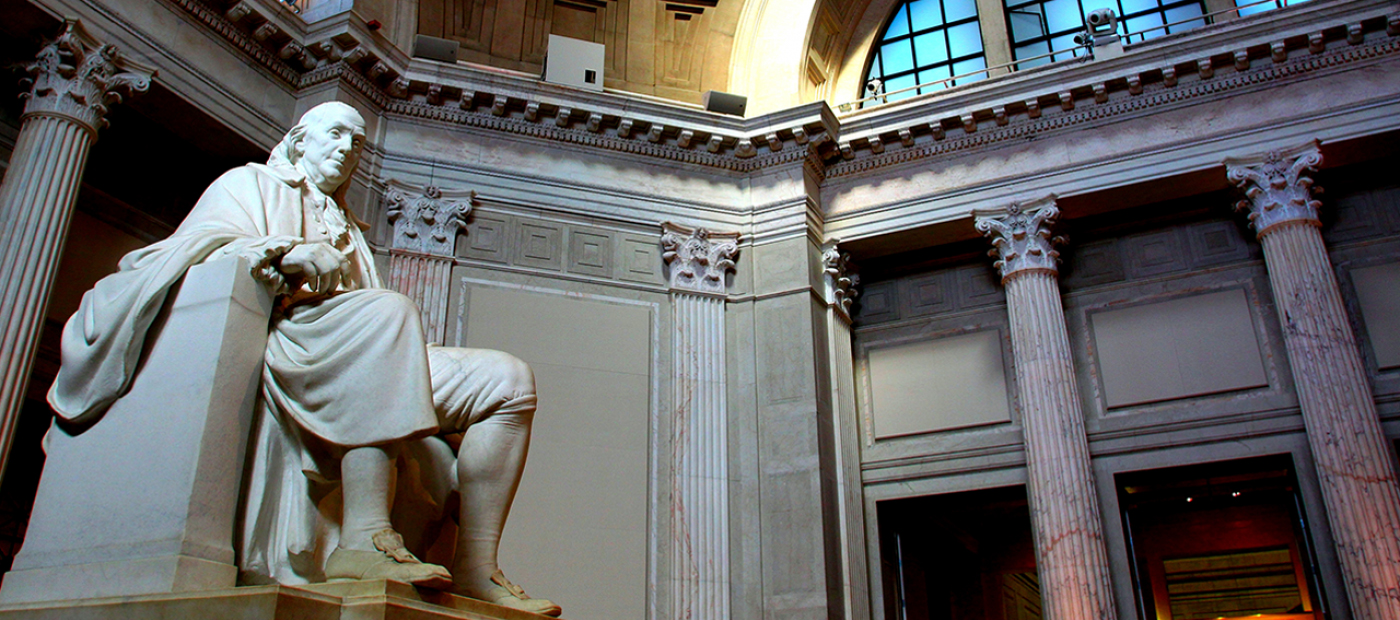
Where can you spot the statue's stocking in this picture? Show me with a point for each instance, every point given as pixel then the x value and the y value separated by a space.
pixel 367 476
pixel 489 465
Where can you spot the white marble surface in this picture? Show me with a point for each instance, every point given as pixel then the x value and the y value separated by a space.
pixel 144 502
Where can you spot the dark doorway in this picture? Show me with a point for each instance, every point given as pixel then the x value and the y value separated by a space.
pixel 1220 540
pixel 960 556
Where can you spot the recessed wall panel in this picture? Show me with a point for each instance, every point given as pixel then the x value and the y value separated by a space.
pixel 582 502
pixel 1378 293
pixel 940 384
pixel 1197 345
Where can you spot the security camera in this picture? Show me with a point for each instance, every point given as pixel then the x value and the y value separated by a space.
pixel 875 87
pixel 1102 21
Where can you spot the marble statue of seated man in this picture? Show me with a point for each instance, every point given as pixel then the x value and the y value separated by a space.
pixel 348 381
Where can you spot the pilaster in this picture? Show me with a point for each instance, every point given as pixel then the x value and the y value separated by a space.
pixel 1354 465
pixel 1069 546
pixel 72 81
pixel 426 221
pixel 843 487
pixel 698 261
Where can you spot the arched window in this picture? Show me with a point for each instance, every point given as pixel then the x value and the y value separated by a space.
pixel 926 41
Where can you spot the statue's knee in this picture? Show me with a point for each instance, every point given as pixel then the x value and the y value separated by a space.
pixel 516 376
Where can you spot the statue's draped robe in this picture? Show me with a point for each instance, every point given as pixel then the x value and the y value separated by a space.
pixel 343 371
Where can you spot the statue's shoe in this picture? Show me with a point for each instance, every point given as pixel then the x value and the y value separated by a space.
pixel 392 561
pixel 506 594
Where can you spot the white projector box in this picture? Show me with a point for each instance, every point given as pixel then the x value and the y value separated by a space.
pixel 574 63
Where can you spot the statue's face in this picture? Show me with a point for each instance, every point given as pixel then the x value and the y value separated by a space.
pixel 330 150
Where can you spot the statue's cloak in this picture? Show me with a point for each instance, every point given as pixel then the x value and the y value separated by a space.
pixel 361 350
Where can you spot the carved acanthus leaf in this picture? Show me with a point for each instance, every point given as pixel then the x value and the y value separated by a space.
pixel 427 219
pixel 840 278
pixel 698 259
pixel 1276 186
pixel 77 77
pixel 1020 235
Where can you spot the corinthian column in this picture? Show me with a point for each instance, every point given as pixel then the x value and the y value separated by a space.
pixel 1354 464
pixel 698 261
pixel 426 222
pixel 1069 548
pixel 73 79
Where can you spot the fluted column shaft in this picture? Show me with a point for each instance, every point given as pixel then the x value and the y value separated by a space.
pixel 697 261
pixel 1354 464
pixel 74 79
pixel 1070 554
pixel 700 528
pixel 426 280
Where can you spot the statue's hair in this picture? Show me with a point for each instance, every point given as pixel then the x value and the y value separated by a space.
pixel 286 154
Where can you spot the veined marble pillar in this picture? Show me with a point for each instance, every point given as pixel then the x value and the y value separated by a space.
pixel 1069 548
pixel 1354 464
pixel 426 222
pixel 74 79
pixel 846 498
pixel 698 260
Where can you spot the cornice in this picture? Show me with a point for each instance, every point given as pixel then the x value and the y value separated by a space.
pixel 1159 74
pixel 1132 89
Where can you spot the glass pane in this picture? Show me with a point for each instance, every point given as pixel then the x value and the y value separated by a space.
pixel 898 56
pixel 903 81
pixel 1137 6
pixel 1260 8
pixel 959 9
pixel 1063 15
pixel 933 75
pixel 1093 5
pixel 1064 42
pixel 1141 24
pixel 932 47
pixel 899 25
pixel 968 66
pixel 875 71
pixel 1185 12
pixel 1028 51
pixel 925 14
pixel 964 39
pixel 1026 24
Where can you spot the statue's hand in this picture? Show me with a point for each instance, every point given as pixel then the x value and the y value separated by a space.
pixel 320 265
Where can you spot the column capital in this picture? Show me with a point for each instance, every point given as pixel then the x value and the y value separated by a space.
pixel 698 258
pixel 76 77
pixel 1276 186
pixel 427 219
pixel 841 280
pixel 1020 235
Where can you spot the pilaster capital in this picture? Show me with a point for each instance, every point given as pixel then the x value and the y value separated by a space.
pixel 1276 186
pixel 841 279
pixel 76 77
pixel 698 258
pixel 427 219
pixel 1020 235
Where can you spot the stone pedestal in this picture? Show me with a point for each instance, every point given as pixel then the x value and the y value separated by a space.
pixel 1354 463
pixel 74 79
pixel 1070 554
pixel 351 600
pixel 698 261
pixel 144 502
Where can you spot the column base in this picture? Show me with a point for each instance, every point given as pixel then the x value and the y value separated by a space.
pixel 378 599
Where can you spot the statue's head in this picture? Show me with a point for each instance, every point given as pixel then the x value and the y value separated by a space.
pixel 325 145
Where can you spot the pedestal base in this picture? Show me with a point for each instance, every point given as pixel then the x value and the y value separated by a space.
pixel 357 600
